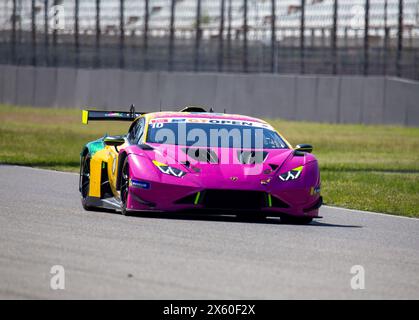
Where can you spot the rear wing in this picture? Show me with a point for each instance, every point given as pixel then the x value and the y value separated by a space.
pixel 97 115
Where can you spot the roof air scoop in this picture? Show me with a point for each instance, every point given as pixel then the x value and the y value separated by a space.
pixel 193 109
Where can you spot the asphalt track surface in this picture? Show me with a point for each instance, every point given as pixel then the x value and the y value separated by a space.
pixel 106 255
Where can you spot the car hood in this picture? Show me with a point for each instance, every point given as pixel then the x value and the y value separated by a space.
pixel 226 167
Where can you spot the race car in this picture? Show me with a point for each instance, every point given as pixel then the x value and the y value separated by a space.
pixel 198 161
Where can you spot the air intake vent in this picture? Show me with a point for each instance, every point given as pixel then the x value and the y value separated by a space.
pixel 278 203
pixel 187 200
pixel 251 157
pixel 234 199
pixel 202 154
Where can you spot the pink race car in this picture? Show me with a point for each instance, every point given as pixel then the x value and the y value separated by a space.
pixel 199 161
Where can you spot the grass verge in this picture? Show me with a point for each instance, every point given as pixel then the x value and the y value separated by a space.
pixel 373 168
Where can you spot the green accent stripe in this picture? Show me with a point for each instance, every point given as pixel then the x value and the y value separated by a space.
pixel 269 200
pixel 197 198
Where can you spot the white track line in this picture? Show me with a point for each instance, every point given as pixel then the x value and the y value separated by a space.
pixel 370 212
pixel 37 169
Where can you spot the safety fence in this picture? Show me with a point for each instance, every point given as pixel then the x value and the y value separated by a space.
pixel 358 37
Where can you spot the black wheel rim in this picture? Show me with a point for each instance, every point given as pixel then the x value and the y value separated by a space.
pixel 85 177
pixel 124 185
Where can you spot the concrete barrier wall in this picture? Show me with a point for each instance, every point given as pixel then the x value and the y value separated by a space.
pixel 334 99
pixel 67 88
pixel 45 87
pixel 9 84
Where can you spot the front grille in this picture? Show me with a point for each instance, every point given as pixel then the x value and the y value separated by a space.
pixel 233 199
pixel 278 203
pixel 187 200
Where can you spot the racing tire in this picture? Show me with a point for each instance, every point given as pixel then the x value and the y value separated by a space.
pixel 295 220
pixel 124 190
pixel 85 182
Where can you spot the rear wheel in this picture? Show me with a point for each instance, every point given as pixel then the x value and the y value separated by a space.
pixel 124 191
pixel 85 181
pixel 296 220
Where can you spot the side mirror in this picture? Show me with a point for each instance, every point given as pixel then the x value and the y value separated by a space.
pixel 304 148
pixel 114 141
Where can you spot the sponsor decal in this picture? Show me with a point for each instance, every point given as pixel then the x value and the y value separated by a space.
pixel 235 122
pixel 114 114
pixel 140 184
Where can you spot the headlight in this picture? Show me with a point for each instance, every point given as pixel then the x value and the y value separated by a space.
pixel 292 174
pixel 169 170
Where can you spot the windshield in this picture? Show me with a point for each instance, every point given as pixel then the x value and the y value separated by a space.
pixel 249 135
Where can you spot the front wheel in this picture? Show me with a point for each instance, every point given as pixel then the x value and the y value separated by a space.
pixel 124 191
pixel 296 220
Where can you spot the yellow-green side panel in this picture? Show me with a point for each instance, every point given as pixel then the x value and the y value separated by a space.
pixel 112 168
pixel 109 156
pixel 96 172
